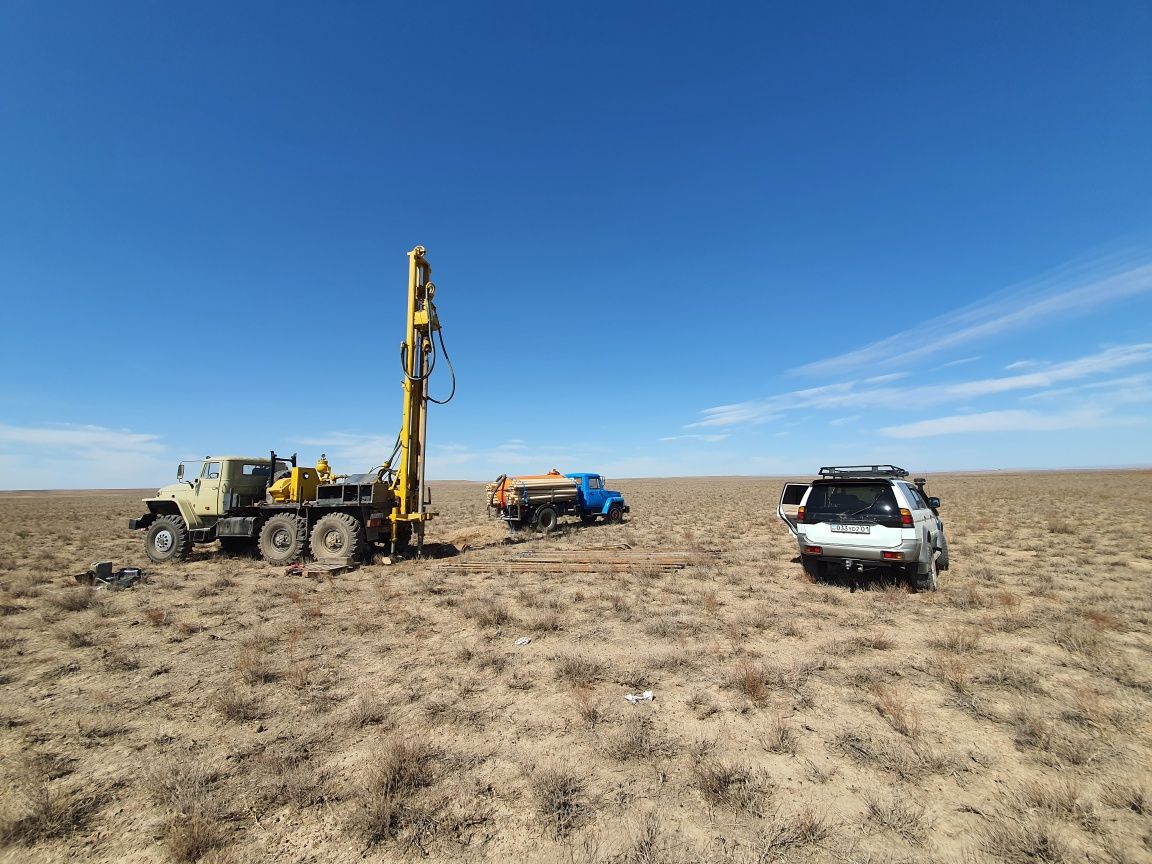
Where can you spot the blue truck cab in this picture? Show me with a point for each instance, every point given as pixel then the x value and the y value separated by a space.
pixel 540 500
pixel 595 500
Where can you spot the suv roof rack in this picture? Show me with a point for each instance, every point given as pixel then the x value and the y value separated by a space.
pixel 847 471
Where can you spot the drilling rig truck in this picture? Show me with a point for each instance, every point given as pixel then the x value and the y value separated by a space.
pixel 284 510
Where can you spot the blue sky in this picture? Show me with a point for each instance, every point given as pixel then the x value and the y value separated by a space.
pixel 668 239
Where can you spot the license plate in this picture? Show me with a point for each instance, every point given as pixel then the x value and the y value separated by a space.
pixel 851 529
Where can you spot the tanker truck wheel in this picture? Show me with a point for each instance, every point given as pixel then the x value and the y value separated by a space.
pixel 615 513
pixel 167 539
pixel 546 520
pixel 337 535
pixel 282 538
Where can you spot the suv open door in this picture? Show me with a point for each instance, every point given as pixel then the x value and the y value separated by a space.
pixel 790 498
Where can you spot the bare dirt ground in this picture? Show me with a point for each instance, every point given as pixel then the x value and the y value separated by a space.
pixel 226 712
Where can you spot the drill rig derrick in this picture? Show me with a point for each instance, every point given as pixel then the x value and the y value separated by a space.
pixel 418 357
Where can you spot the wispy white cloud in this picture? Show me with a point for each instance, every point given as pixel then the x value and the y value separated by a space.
pixel 959 362
pixel 693 437
pixel 1108 360
pixel 351 452
pixel 997 421
pixel 857 395
pixel 69 436
pixel 1129 389
pixel 843 421
pixel 1075 288
pixel 74 456
pixel 1024 364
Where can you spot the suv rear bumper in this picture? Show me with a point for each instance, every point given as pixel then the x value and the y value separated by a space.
pixel 851 556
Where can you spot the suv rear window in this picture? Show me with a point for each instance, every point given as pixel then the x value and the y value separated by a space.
pixel 852 502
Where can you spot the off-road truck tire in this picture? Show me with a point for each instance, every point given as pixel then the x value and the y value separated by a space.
pixel 282 538
pixel 615 513
pixel 168 539
pixel 546 520
pixel 337 535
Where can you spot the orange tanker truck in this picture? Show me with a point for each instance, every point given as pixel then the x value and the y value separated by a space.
pixel 538 501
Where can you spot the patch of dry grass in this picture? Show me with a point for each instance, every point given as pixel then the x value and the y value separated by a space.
pixel 579 669
pixel 38 809
pixel 561 798
pixel 1030 841
pixel 732 785
pixel 785 834
pixel 387 786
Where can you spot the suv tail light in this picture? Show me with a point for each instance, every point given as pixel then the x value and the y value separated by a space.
pixel 800 515
pixel 893 556
pixel 905 517
pixel 814 550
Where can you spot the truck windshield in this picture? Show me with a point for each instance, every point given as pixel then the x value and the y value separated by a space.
pixel 867 502
pixel 189 468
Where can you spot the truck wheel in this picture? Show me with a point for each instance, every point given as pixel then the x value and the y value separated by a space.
pixel 282 538
pixel 615 513
pixel 167 539
pixel 546 519
pixel 337 535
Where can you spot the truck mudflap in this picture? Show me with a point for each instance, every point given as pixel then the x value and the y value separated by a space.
pixel 143 522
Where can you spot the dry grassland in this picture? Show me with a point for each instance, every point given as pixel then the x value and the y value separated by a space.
pixel 226 712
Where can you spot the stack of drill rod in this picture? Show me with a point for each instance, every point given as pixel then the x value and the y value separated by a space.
pixel 578 561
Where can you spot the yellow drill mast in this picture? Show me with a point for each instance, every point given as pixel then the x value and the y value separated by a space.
pixel 417 354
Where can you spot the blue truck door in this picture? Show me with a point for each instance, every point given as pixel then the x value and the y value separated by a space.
pixel 594 494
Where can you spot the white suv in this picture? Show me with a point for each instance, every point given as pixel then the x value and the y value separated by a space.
pixel 854 519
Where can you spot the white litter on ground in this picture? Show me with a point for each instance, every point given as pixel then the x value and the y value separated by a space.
pixel 646 696
pixel 523 640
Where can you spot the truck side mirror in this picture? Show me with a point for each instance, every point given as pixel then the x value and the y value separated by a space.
pixel 934 503
pixel 180 471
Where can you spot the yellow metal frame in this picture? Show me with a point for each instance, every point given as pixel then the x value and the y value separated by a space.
pixel 408 501
pixel 299 485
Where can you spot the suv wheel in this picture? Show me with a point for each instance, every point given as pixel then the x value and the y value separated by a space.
pixel 816 569
pixel 942 561
pixel 927 581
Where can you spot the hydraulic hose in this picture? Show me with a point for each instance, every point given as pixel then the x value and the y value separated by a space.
pixel 433 355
